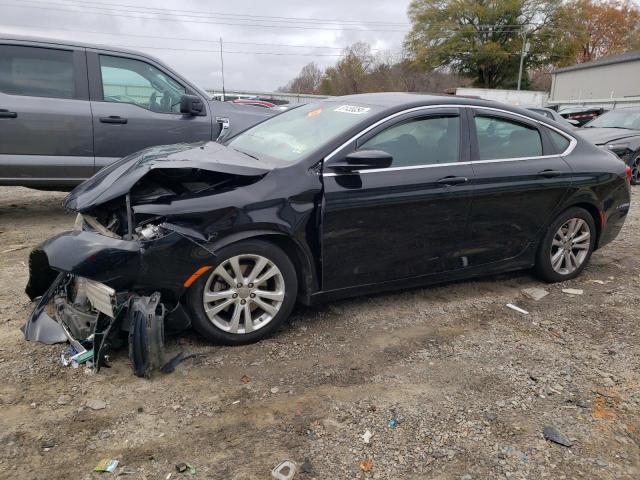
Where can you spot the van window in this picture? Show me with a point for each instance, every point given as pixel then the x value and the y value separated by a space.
pixel 126 80
pixel 36 71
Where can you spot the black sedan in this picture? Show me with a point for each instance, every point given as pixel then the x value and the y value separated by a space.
pixel 348 196
pixel 618 131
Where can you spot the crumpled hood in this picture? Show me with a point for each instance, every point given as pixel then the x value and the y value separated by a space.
pixel 118 178
pixel 600 136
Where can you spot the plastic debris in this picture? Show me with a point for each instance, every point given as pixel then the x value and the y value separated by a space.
pixel 573 291
pixel 106 465
pixel 366 436
pixel 284 471
pixel 366 465
pixel 552 434
pixel 185 467
pixel 517 309
pixel 393 423
pixel 535 293
pixel 171 365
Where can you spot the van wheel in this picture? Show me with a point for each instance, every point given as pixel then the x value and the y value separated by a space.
pixel 246 296
pixel 567 246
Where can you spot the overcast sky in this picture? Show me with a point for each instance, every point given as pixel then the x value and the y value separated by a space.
pixel 198 24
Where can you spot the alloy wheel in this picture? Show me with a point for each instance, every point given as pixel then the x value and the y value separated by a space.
pixel 570 246
pixel 243 294
pixel 635 170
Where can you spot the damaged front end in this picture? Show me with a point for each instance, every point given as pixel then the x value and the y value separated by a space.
pixel 117 279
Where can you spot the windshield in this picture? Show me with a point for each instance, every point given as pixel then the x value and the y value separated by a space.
pixel 295 133
pixel 617 119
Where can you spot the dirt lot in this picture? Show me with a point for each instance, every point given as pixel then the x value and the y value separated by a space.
pixel 470 382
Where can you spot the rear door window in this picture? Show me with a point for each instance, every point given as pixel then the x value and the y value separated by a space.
pixel 500 138
pixel 37 72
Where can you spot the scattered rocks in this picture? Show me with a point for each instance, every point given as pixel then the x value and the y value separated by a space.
pixel 274 390
pixel 63 399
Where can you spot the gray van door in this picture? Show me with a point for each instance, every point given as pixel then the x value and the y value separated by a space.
pixel 136 104
pixel 45 117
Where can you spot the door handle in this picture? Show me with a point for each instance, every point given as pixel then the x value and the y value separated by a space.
pixel 452 180
pixel 113 119
pixel 7 114
pixel 550 173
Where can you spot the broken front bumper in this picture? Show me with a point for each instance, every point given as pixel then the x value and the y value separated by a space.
pixel 122 284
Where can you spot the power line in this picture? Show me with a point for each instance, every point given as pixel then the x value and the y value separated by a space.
pixel 241 16
pixel 175 38
pixel 254 25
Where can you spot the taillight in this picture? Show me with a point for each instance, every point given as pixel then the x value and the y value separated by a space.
pixel 627 170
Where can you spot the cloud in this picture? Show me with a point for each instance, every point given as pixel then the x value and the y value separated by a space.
pixel 251 70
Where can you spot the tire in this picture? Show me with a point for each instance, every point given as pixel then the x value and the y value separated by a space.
pixel 581 251
pixel 635 169
pixel 268 302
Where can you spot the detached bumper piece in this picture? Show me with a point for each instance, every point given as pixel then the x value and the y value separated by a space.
pixel 94 318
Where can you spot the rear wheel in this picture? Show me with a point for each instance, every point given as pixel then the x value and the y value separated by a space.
pixel 635 169
pixel 246 296
pixel 567 246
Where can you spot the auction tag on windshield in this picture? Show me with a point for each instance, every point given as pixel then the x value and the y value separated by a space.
pixel 352 109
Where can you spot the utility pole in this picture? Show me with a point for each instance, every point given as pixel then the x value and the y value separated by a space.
pixel 222 63
pixel 523 53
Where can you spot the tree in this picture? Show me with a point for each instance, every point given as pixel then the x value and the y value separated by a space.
pixel 595 29
pixel 307 81
pixel 480 38
pixel 350 74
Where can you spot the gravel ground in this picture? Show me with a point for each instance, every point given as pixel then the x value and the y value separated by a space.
pixel 449 383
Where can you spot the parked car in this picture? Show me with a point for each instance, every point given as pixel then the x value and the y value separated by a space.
pixel 618 131
pixel 351 195
pixel 68 109
pixel 581 114
pixel 254 103
pixel 553 115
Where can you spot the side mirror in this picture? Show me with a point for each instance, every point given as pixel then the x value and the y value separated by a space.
pixel 191 105
pixel 363 160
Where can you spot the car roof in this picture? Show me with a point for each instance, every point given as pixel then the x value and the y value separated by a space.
pixel 73 43
pixel 395 101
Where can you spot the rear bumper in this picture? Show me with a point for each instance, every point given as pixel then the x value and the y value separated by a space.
pixel 616 215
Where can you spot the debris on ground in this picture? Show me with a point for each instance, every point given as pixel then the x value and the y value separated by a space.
pixel 535 293
pixel 185 467
pixel 274 390
pixel 124 470
pixel 171 365
pixel 96 404
pixel 393 423
pixel 284 471
pixel 366 436
pixel 366 465
pixel 517 309
pixel 307 467
pixel 553 434
pixel 572 291
pixel 245 379
pixel 63 399
pixel 47 445
pixel 106 465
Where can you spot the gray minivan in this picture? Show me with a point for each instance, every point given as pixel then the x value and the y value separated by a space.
pixel 68 109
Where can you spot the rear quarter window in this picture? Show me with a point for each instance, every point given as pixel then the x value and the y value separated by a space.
pixel 560 142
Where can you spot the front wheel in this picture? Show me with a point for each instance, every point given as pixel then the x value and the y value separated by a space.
pixel 567 246
pixel 246 296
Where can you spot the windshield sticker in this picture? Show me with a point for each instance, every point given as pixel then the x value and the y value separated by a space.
pixel 352 109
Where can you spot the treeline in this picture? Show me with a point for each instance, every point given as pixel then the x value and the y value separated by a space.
pixel 480 42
